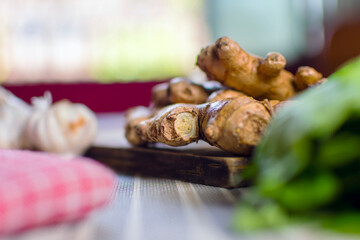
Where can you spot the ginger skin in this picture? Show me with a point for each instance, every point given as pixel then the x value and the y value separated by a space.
pixel 133 117
pixel 261 78
pixel 306 77
pixel 159 95
pixel 182 90
pixel 233 124
pixel 131 132
pixel 224 94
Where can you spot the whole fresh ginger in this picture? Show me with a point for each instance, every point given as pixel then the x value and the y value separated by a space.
pixel 232 124
pixel 182 90
pixel 232 117
pixel 261 78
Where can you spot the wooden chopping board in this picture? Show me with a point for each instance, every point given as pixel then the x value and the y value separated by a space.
pixel 197 163
pixel 205 166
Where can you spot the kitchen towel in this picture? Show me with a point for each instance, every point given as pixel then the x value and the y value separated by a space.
pixel 39 189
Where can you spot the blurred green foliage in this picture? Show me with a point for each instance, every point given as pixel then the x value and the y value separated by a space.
pixel 151 45
pixel 142 54
pixel 308 163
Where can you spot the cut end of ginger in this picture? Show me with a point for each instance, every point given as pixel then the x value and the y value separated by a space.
pixel 186 126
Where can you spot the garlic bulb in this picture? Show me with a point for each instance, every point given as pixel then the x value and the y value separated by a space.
pixel 63 127
pixel 13 116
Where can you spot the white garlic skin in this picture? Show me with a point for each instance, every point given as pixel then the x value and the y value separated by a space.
pixel 64 127
pixel 14 114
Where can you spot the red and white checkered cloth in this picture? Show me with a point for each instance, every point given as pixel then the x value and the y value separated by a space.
pixel 39 189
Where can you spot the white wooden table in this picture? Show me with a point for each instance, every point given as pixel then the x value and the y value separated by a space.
pixel 150 208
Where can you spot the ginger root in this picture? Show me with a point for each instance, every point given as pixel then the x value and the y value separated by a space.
pixel 233 124
pixel 182 90
pixel 133 117
pixel 232 116
pixel 261 78
pixel 175 125
pixel 306 77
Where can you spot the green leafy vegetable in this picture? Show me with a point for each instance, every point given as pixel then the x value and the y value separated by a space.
pixel 308 163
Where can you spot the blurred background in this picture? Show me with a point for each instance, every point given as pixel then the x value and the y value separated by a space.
pixel 78 46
